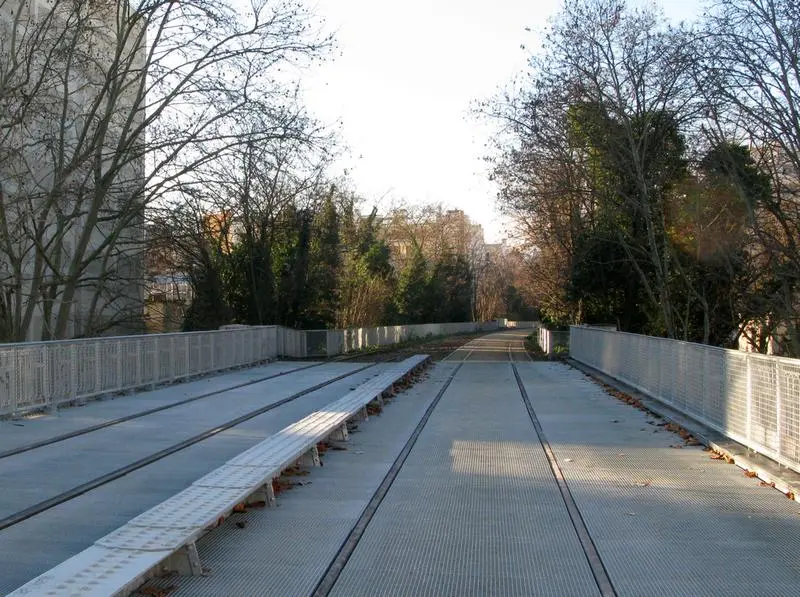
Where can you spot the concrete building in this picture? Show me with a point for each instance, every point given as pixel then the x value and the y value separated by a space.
pixel 71 170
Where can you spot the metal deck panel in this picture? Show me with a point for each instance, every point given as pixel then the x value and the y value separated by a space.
pixel 666 521
pixel 40 427
pixel 61 532
pixel 284 551
pixel 475 510
pixel 493 348
pixel 47 471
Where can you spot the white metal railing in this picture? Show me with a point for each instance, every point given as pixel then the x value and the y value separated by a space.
pixel 37 375
pixel 753 399
pixel 360 338
pixel 550 339
pixel 522 325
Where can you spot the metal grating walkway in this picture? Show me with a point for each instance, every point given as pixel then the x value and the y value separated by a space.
pixel 666 520
pixel 475 510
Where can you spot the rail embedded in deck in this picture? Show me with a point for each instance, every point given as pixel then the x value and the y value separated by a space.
pixel 163 538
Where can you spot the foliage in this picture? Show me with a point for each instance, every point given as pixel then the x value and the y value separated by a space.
pixel 654 170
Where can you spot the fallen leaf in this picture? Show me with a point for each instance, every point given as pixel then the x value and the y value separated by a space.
pixel 765 484
pixel 750 474
pixel 241 524
pixel 568 460
pixel 294 472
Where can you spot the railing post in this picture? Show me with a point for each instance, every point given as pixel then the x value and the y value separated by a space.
pixel 119 364
pixel 139 348
pixel 73 372
pixel 172 364
pixel 749 394
pixel 14 377
pixel 46 376
pixel 156 360
pixel 212 347
pixel 98 376
pixel 778 413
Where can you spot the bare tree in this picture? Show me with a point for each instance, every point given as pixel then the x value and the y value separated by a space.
pixel 596 143
pixel 280 165
pixel 752 57
pixel 105 109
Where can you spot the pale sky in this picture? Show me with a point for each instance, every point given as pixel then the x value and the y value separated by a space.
pixel 402 82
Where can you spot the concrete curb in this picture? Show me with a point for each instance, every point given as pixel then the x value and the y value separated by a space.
pixel 766 469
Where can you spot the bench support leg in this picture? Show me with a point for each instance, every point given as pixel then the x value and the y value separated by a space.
pixel 362 414
pixel 340 434
pixel 265 494
pixel 185 561
pixel 310 459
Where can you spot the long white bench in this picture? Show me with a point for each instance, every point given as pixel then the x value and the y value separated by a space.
pixel 163 538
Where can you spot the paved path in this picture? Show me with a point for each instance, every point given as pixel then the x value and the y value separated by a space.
pixel 467 501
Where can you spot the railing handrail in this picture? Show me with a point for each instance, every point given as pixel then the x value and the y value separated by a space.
pixel 731 351
pixel 38 375
pixel 127 337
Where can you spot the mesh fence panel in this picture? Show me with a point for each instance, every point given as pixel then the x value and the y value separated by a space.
pixel 40 374
pixel 751 398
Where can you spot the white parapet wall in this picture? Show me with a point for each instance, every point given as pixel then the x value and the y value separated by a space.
pixel 39 375
pixel 751 398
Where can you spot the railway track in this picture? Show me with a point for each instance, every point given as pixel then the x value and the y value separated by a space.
pixel 137 415
pixel 462 355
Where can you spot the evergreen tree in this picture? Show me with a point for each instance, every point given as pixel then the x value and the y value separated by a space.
pixel 413 290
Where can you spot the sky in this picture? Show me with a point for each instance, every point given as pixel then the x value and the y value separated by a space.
pixel 402 82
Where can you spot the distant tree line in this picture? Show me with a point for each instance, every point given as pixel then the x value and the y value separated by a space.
pixel 174 135
pixel 654 170
pixel 310 259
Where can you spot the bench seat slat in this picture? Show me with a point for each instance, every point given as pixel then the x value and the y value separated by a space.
pixel 94 572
